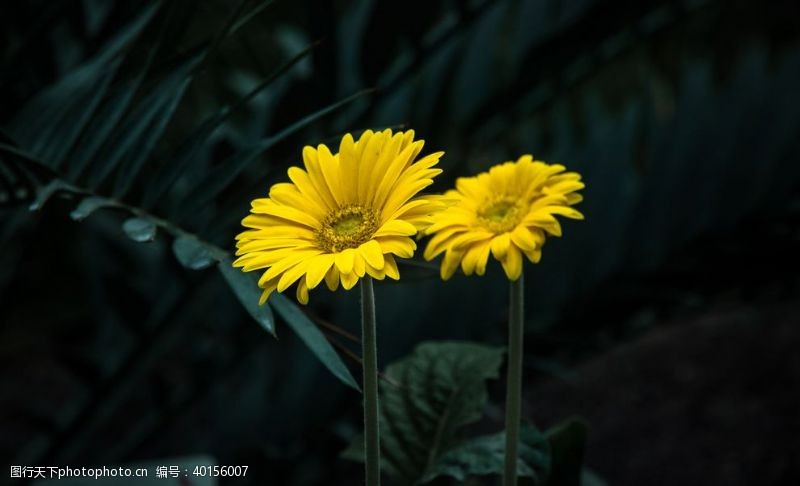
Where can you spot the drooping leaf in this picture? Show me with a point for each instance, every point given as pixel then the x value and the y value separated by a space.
pixel 245 286
pixel 313 338
pixel 485 455
pixel 440 388
pixel 193 253
pixel 567 442
pixel 46 192
pixel 89 205
pixel 140 229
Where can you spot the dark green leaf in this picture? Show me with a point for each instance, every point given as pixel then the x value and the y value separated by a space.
pixel 440 388
pixel 46 192
pixel 89 205
pixel 312 337
pixel 135 139
pixel 250 15
pixel 140 229
pixel 195 141
pixel 51 122
pixel 112 111
pixel 193 253
pixel 217 180
pixel 567 442
pixel 486 455
pixel 245 286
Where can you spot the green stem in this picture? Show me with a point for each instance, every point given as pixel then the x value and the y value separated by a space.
pixel 372 448
pixel 514 380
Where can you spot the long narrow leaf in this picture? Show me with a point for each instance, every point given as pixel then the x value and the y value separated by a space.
pixel 113 110
pixel 144 125
pixel 313 338
pixel 194 142
pixel 246 18
pixel 47 126
pixel 217 180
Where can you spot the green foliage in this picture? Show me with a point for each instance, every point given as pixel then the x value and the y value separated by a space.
pixel 312 337
pixel 428 399
pixel 245 286
pixel 119 126
pixel 485 455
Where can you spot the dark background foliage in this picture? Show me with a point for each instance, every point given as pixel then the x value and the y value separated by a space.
pixel 669 318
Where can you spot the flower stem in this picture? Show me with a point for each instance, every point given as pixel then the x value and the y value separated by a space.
pixel 372 450
pixel 514 380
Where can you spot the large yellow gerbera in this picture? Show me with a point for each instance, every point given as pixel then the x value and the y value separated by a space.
pixel 506 211
pixel 346 215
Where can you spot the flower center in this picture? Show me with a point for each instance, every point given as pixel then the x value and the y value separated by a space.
pixel 500 215
pixel 347 227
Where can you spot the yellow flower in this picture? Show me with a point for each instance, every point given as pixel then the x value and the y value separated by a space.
pixel 346 215
pixel 506 211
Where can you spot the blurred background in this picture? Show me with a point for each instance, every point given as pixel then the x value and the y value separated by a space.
pixel 669 319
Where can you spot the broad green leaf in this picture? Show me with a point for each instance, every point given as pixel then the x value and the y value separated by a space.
pixel 312 337
pixel 140 229
pixel 486 455
pixel 193 253
pixel 567 442
pixel 439 389
pixel 89 205
pixel 245 286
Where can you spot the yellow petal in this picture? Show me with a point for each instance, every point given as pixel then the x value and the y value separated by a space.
pixel 402 246
pixel 332 278
pixel 500 245
pixel 349 280
pixel 291 275
pixel 396 227
pixel 329 165
pixel 450 263
pixel 359 265
pixel 344 260
pixel 513 263
pixel 390 267
pixel 290 214
pixel 268 289
pixel 317 269
pixel 372 252
pixel 523 238
pixel 475 258
pixel 317 177
pixel 376 273
pixel 349 166
pixel 302 292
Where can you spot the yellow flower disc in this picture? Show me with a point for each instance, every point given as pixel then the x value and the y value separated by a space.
pixel 345 215
pixel 507 212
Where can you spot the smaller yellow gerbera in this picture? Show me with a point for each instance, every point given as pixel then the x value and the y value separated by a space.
pixel 507 211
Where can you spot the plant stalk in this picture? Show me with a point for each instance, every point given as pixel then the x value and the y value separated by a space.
pixel 514 380
pixel 372 448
